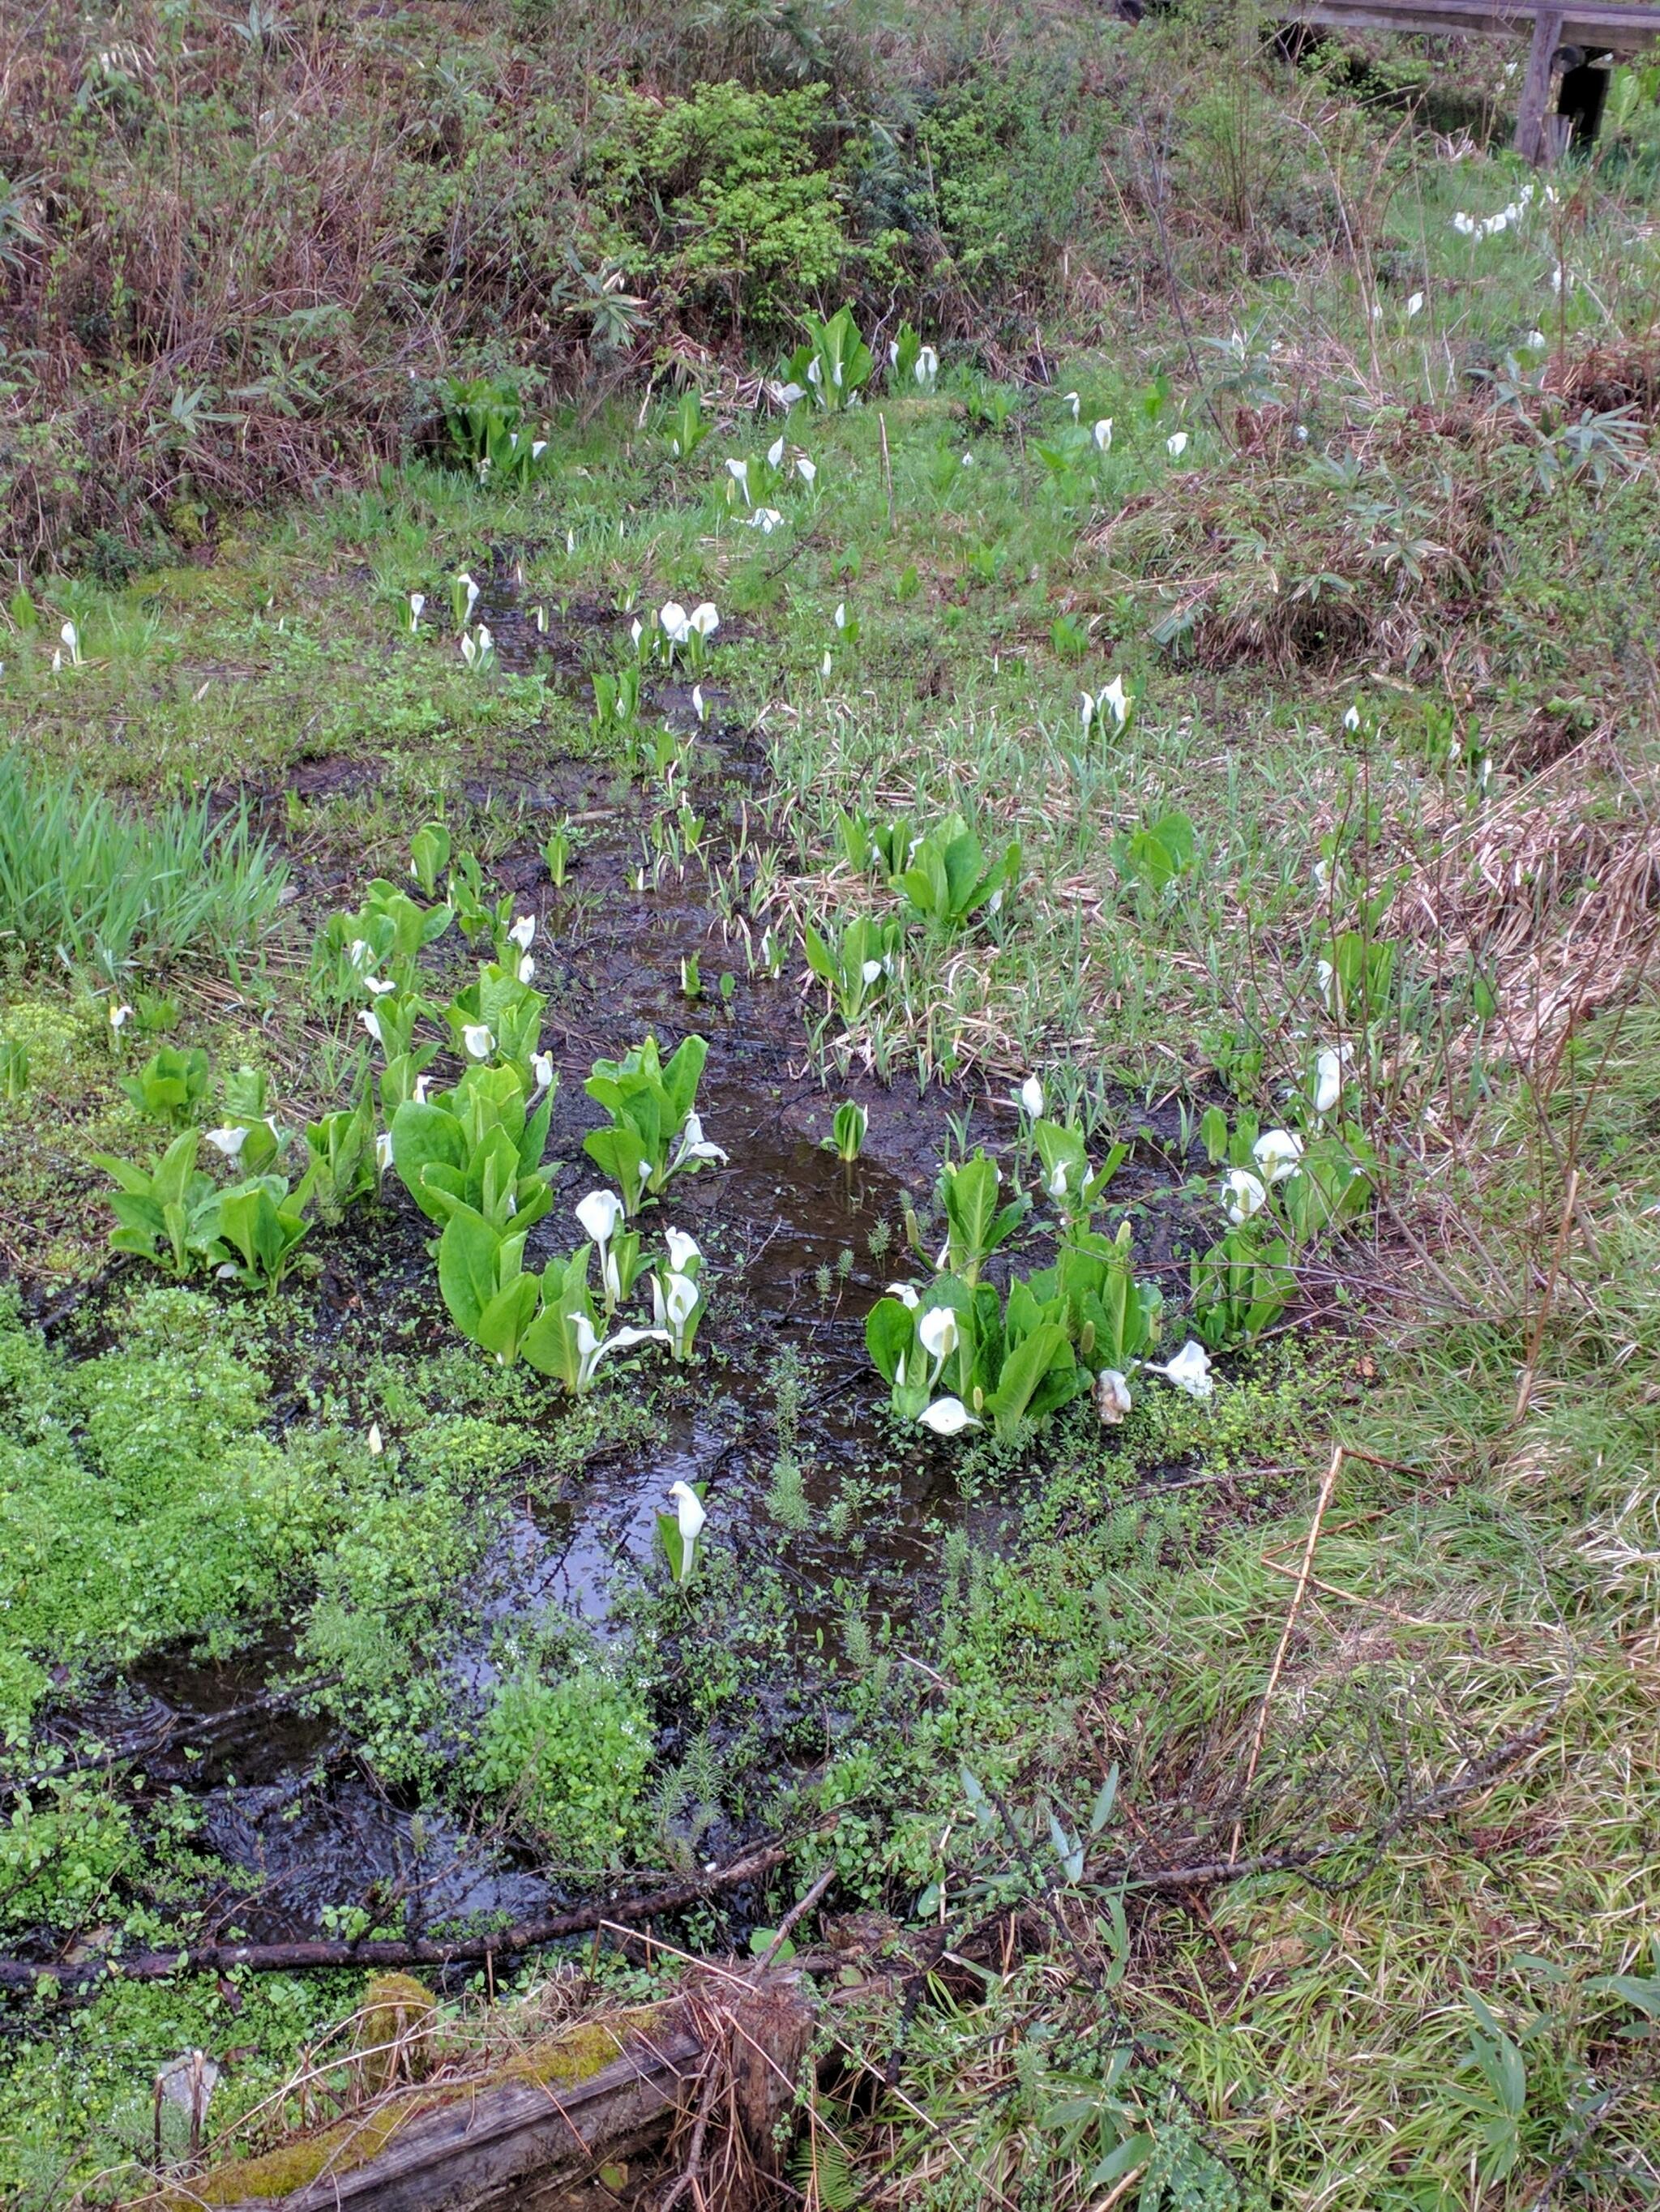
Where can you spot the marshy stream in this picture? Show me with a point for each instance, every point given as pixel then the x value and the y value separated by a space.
pixel 800 1245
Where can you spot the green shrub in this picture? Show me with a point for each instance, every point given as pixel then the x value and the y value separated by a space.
pixel 1010 158
pixel 571 1757
pixel 723 203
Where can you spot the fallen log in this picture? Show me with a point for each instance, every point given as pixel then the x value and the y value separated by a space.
pixel 530 2134
pixel 381 1953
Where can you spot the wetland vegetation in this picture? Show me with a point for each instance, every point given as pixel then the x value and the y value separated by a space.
pixel 827 884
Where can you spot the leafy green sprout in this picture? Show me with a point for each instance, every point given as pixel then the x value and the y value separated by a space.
pixel 655 1131
pixel 430 856
pixel 557 854
pixel 847 1129
pixel 834 363
pixel 687 429
pixel 171 1085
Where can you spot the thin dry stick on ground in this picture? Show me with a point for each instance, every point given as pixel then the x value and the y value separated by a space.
pixel 1298 1595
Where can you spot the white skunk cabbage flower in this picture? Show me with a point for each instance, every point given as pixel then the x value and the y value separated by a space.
pixel 1112 1397
pixel 1276 1153
pixel 693 1144
pixel 688 1513
pixel 1243 1194
pixel 948 1417
pixel 1328 1080
pixel 683 1249
pixel 1189 1370
pixel 939 1335
pixel 600 1216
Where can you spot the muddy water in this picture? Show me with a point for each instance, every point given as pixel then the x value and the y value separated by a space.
pixel 788 1231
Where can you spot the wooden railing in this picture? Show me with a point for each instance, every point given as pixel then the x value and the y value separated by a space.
pixel 1594 25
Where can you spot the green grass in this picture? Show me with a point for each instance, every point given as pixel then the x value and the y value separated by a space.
pixel 84 883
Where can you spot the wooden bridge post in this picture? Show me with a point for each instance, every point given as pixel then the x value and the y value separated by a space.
pixel 1530 132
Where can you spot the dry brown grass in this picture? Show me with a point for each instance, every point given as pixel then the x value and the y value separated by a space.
pixel 1553 893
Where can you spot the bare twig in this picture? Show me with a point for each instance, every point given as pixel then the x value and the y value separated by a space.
pixel 1261 1729
pixel 796 1913
pixel 1536 1337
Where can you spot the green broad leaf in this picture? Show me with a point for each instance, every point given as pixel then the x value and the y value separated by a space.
pixel 503 1324
pixel 493 1177
pixel 430 855
pixel 532 1199
pixel 469 1259
pixel 176 1175
pixel 971 1196
pixel 1031 1373
pixel 176 1224
pixel 681 1077
pixel 674 1548
pixel 423 1135
pixel 1106 1798
pixel 1133 2151
pixel 1067 1849
pixel 548 1344
pixel 137 1181
pixel 819 959
pixel 890 1333
pixel 618 1153
pixel 762 1941
pixel 533 1142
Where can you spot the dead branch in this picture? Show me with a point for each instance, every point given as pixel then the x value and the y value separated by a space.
pixel 391 1951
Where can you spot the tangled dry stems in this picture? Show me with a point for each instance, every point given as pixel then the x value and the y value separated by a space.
pixel 1552 896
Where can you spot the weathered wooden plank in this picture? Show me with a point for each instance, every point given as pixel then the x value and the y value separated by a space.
pixel 1536 85
pixel 1600 24
pixel 473 2148
pixel 522 2140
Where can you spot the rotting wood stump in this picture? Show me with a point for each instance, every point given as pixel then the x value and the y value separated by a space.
pixel 529 2135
